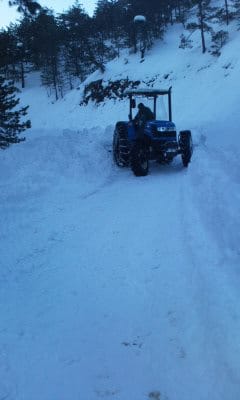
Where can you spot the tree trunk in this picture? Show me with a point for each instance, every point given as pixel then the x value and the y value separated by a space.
pixel 70 81
pixel 201 17
pixel 54 76
pixel 76 65
pixel 22 75
pixel 227 12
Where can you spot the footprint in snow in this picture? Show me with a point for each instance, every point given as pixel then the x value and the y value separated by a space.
pixel 134 343
pixel 156 395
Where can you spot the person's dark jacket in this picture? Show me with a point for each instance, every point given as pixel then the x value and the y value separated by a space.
pixel 144 114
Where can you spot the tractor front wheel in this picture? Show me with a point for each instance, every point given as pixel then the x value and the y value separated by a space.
pixel 139 159
pixel 121 145
pixel 186 146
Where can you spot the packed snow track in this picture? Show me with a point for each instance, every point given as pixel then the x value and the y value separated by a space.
pixel 113 286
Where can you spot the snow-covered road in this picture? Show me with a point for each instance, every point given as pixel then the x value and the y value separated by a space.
pixel 114 286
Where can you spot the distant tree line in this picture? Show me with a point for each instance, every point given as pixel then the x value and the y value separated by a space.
pixel 71 45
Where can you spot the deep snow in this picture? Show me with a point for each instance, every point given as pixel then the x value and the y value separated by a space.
pixel 118 287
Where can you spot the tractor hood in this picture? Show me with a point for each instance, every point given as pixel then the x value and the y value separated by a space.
pixel 161 126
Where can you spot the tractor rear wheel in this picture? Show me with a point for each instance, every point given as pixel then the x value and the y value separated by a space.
pixel 121 150
pixel 186 147
pixel 139 159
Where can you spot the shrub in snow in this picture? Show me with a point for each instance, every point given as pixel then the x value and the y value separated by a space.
pixel 185 42
pixel 219 39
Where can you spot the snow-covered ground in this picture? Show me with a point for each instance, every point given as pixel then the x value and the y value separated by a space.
pixel 119 287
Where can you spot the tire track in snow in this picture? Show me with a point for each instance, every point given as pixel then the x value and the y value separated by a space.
pixel 211 239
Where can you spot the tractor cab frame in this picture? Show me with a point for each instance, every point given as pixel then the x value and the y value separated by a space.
pixel 149 93
pixel 154 139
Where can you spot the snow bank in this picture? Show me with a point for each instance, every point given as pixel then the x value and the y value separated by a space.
pixel 51 158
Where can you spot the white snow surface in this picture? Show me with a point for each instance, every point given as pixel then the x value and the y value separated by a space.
pixel 117 287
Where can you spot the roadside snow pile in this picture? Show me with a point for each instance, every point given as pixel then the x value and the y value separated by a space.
pixel 49 160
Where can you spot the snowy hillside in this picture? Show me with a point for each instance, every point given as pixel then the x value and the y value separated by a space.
pixel 114 286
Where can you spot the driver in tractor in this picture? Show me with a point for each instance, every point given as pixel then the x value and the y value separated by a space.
pixel 144 114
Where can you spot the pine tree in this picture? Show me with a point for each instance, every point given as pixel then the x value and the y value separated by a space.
pixel 8 51
pixel 204 14
pixel 10 116
pixel 75 31
pixel 236 5
pixel 26 7
pixel 218 40
pixel 45 50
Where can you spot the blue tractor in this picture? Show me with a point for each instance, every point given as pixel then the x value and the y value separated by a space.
pixel 157 140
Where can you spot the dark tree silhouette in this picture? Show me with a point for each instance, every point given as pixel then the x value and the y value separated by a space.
pixel 26 6
pixel 10 115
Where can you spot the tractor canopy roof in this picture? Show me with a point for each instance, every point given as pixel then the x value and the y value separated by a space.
pixel 146 92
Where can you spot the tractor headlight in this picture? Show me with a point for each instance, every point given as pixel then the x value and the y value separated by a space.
pixel 165 128
pixel 161 128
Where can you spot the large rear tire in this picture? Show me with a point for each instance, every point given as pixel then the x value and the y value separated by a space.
pixel 139 159
pixel 121 150
pixel 186 147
